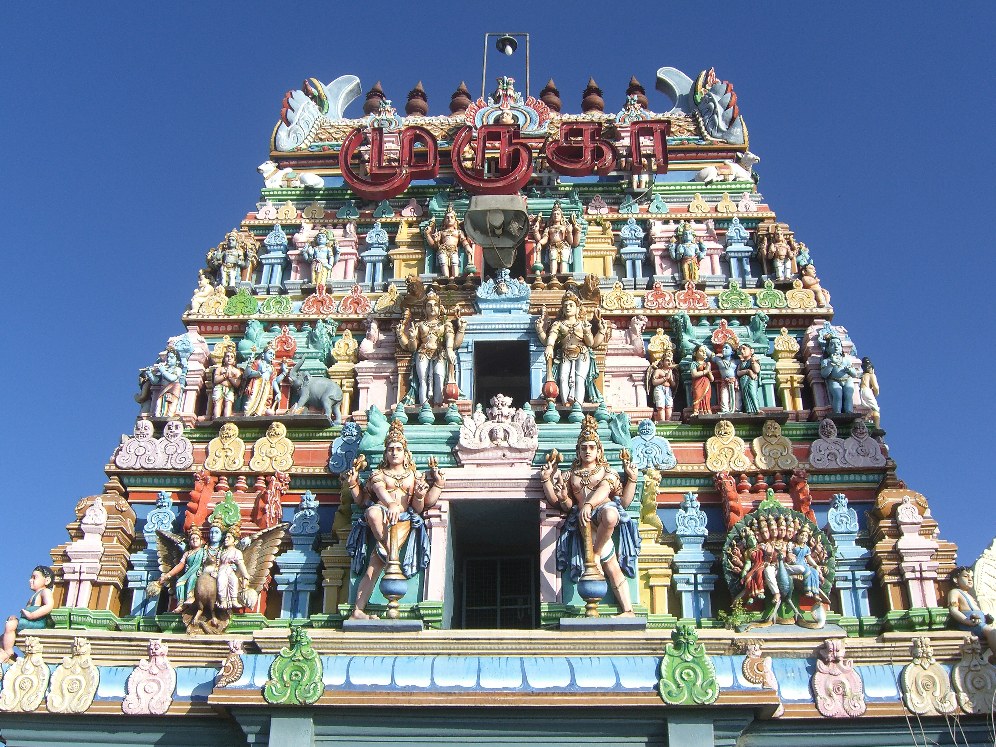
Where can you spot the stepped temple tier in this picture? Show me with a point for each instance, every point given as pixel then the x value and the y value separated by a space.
pixel 504 424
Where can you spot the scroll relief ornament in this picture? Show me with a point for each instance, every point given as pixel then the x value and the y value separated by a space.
pixel 274 451
pixel 296 673
pixel 226 452
pixel 974 679
pixel 757 670
pixel 25 683
pixel 502 435
pixel 688 676
pixel 175 450
pixel 772 450
pixel 838 691
pixel 925 683
pixel 75 681
pixel 725 451
pixel 150 686
pixel 139 451
pixel 233 666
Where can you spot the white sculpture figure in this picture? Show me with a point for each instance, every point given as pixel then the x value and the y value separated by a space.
pixel 275 177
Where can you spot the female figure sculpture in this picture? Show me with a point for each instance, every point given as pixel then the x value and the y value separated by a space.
pixel 35 614
pixel 570 344
pixel 868 391
pixel 185 571
pixel 394 494
pixel 231 568
pixel 748 374
pixel 592 494
pixel 702 379
pixel 434 341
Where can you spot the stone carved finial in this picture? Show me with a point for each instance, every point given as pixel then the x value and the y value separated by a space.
pixel 726 451
pixel 925 683
pixel 501 436
pixel 75 681
pixel 25 683
pixel 150 686
pixel 688 676
pixel 838 691
pixel 636 89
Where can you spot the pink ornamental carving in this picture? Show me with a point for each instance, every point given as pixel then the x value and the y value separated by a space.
pixel 723 335
pixel 691 298
pixel 355 303
pixel 150 686
pixel 838 691
pixel 319 303
pixel 659 299
pixel 284 344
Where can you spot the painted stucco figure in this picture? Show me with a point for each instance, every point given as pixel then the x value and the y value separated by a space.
pixel 868 391
pixel 570 342
pixel 592 495
pixel 559 237
pixel 171 376
pixel 838 374
pixel 660 380
pixel 748 377
pixel 322 256
pixel 394 499
pixel 447 241
pixel 433 340
pixel 687 251
pixel 225 378
pixel 702 378
pixel 263 377
pixel 35 614
pixel 965 612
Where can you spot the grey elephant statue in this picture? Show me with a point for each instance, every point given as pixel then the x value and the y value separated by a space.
pixel 308 390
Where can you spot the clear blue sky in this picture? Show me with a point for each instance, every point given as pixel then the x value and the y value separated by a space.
pixel 132 131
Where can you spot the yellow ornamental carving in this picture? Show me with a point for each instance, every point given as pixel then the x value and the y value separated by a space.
pixel 226 452
pixel 725 450
pixel 274 452
pixel 799 297
pixel 785 345
pixel 388 302
pixel 698 205
pixel 286 212
pixel 726 205
pixel 214 304
pixel 618 299
pixel 345 348
pixel 772 450
pixel 314 212
pixel 659 344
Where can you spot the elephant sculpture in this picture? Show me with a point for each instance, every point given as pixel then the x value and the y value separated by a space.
pixel 308 390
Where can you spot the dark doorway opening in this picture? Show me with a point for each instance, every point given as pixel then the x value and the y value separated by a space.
pixel 495 556
pixel 501 367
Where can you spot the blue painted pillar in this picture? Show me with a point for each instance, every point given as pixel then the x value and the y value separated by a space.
pixel 693 562
pixel 853 577
pixel 145 563
pixel 298 577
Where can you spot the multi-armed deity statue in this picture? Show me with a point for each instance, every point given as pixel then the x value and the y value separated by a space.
pixel 570 341
pixel 559 237
pixel 433 340
pixel 447 241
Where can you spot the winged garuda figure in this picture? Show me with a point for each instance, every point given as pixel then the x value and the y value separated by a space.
pixel 212 582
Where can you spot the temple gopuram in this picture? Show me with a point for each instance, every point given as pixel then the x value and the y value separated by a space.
pixel 506 425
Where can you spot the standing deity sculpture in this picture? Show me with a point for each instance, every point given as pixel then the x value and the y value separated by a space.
pixel 263 377
pixel 224 378
pixel 702 378
pixel 780 251
pixel 447 241
pixel 434 341
pixel 322 257
pixel 559 237
pixel 231 256
pixel 183 575
pixel 748 376
pixel 661 379
pixel 570 342
pixel 868 391
pixel 687 251
pixel 595 501
pixel 171 375
pixel 394 499
pixel 727 363
pixel 838 374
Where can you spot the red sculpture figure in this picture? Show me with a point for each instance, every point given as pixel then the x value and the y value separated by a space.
pixel 799 490
pixel 733 507
pixel 197 505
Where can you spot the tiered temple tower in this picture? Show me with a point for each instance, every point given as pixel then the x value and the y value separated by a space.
pixel 505 408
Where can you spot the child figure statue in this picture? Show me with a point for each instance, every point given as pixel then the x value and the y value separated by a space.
pixel 965 612
pixel 35 614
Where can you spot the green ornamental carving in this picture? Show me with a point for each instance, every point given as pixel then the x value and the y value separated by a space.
pixel 734 297
pixel 657 205
pixel 241 304
pixel 226 513
pixel 770 297
pixel 296 673
pixel 275 306
pixel 688 677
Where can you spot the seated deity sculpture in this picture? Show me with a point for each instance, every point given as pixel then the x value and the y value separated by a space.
pixel 394 499
pixel 595 501
pixel 434 341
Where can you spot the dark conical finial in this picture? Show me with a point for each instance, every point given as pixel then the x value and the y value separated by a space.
pixel 374 98
pixel 418 102
pixel 460 99
pixel 551 96
pixel 592 100
pixel 637 89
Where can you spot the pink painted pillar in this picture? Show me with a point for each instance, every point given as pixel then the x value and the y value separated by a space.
pixel 438 519
pixel 917 554
pixel 345 266
pixel 551 520
pixel 84 556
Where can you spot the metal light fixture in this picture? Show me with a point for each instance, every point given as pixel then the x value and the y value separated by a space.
pixel 506 45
